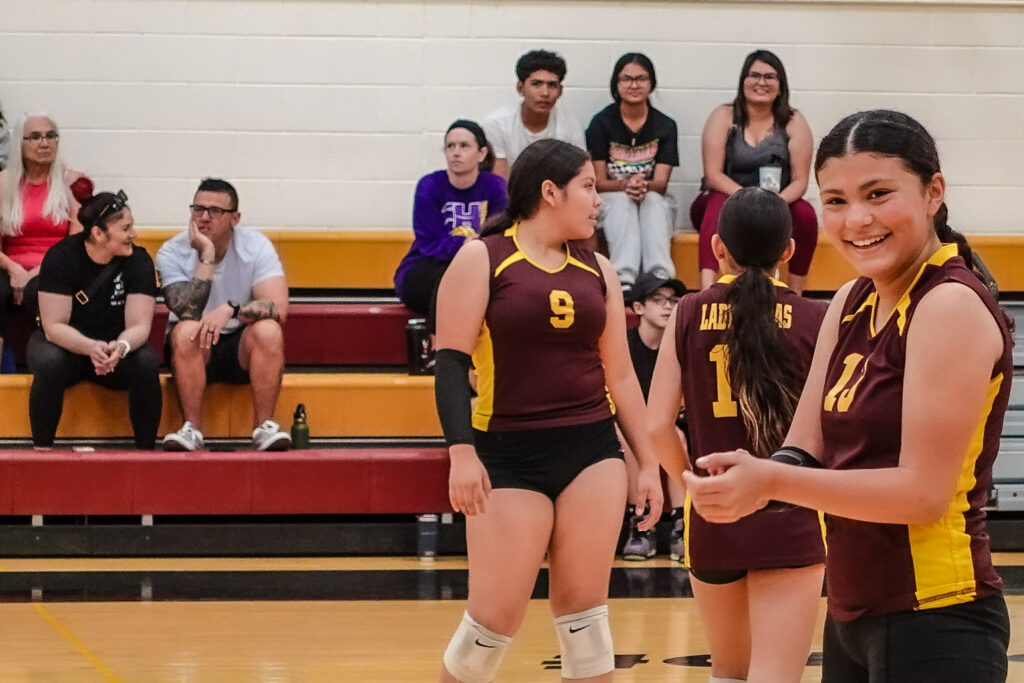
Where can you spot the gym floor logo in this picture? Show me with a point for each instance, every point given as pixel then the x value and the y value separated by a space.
pixel 696 661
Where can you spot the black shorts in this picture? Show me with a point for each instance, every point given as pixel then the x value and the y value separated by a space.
pixel 720 577
pixel 222 367
pixel 954 644
pixel 545 460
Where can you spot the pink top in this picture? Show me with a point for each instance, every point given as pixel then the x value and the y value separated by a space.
pixel 38 232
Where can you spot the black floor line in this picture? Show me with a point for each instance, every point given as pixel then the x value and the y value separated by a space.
pixel 424 584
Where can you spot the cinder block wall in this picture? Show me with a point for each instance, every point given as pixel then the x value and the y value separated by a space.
pixel 325 112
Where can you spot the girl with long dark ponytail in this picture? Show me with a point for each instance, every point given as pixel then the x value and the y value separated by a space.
pixel 898 426
pixel 737 355
pixel 765 375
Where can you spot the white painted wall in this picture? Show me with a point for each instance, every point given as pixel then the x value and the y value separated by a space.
pixel 324 113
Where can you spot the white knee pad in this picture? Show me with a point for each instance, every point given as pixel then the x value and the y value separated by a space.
pixel 719 679
pixel 474 653
pixel 586 643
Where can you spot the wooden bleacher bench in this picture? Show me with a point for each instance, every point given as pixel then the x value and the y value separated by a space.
pixel 315 481
pixel 366 259
pixel 315 334
pixel 337 405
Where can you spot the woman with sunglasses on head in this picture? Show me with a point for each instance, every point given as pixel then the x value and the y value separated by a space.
pixel 536 465
pixel 97 292
pixel 37 210
pixel 898 425
pixel 634 147
pixel 737 355
pixel 450 208
pixel 758 139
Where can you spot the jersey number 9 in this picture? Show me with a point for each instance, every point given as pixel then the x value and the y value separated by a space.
pixel 562 307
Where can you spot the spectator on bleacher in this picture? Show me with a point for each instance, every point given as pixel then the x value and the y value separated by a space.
pixel 634 147
pixel 654 299
pixel 37 210
pixel 449 208
pixel 97 292
pixel 228 298
pixel 757 139
pixel 539 75
pixel 5 140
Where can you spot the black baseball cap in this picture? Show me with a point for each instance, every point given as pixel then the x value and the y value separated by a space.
pixel 649 283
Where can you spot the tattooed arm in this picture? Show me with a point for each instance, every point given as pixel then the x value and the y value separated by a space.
pixel 188 299
pixel 270 300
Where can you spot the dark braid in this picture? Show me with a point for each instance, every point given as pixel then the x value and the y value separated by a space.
pixel 755 225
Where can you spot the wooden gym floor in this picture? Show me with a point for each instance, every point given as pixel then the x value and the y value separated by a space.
pixel 326 619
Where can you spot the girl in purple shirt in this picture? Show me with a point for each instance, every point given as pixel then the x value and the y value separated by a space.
pixel 450 207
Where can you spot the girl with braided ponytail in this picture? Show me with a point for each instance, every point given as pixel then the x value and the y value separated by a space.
pixel 737 355
pixel 898 424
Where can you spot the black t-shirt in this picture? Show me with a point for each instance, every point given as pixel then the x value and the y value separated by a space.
pixel 643 359
pixel 627 153
pixel 68 270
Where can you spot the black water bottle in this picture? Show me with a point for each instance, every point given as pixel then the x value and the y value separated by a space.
pixel 300 429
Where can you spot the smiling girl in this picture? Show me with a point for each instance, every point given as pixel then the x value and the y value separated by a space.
pixel 898 425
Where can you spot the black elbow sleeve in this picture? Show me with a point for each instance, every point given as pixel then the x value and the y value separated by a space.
pixel 452 395
pixel 790 455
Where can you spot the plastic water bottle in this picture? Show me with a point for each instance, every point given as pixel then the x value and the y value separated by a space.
pixel 300 429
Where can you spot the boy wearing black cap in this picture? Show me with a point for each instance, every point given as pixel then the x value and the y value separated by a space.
pixel 654 299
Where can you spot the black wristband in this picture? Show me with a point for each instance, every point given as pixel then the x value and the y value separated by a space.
pixel 452 395
pixel 790 455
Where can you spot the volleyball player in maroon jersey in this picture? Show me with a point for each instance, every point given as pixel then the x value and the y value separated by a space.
pixel 737 354
pixel 903 408
pixel 537 467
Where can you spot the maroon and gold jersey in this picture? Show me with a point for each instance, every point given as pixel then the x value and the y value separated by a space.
pixel 762 540
pixel 537 356
pixel 881 568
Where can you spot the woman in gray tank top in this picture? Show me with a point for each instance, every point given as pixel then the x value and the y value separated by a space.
pixel 758 139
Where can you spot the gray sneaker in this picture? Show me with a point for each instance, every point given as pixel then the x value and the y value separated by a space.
pixel 188 438
pixel 269 437
pixel 639 545
pixel 677 547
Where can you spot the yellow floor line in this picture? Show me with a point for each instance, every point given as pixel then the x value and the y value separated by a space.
pixel 75 643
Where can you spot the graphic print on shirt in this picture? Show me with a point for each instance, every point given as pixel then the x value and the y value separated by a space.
pixel 117 296
pixel 625 161
pixel 463 219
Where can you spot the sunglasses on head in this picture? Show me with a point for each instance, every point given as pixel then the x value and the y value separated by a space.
pixel 116 204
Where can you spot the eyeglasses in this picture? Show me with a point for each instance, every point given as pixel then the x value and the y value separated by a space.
pixel 659 300
pixel 758 76
pixel 116 204
pixel 634 80
pixel 37 137
pixel 215 211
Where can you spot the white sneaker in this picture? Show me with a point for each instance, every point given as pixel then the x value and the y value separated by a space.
pixel 188 438
pixel 269 437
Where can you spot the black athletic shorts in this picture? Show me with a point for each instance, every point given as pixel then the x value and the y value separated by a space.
pixel 545 460
pixel 222 367
pixel 720 577
pixel 954 644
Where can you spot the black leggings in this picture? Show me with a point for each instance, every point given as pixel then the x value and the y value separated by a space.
pixel 56 369
pixel 419 291
pixel 954 644
pixel 29 303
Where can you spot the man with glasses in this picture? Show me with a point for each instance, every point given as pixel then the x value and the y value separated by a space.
pixel 654 300
pixel 228 298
